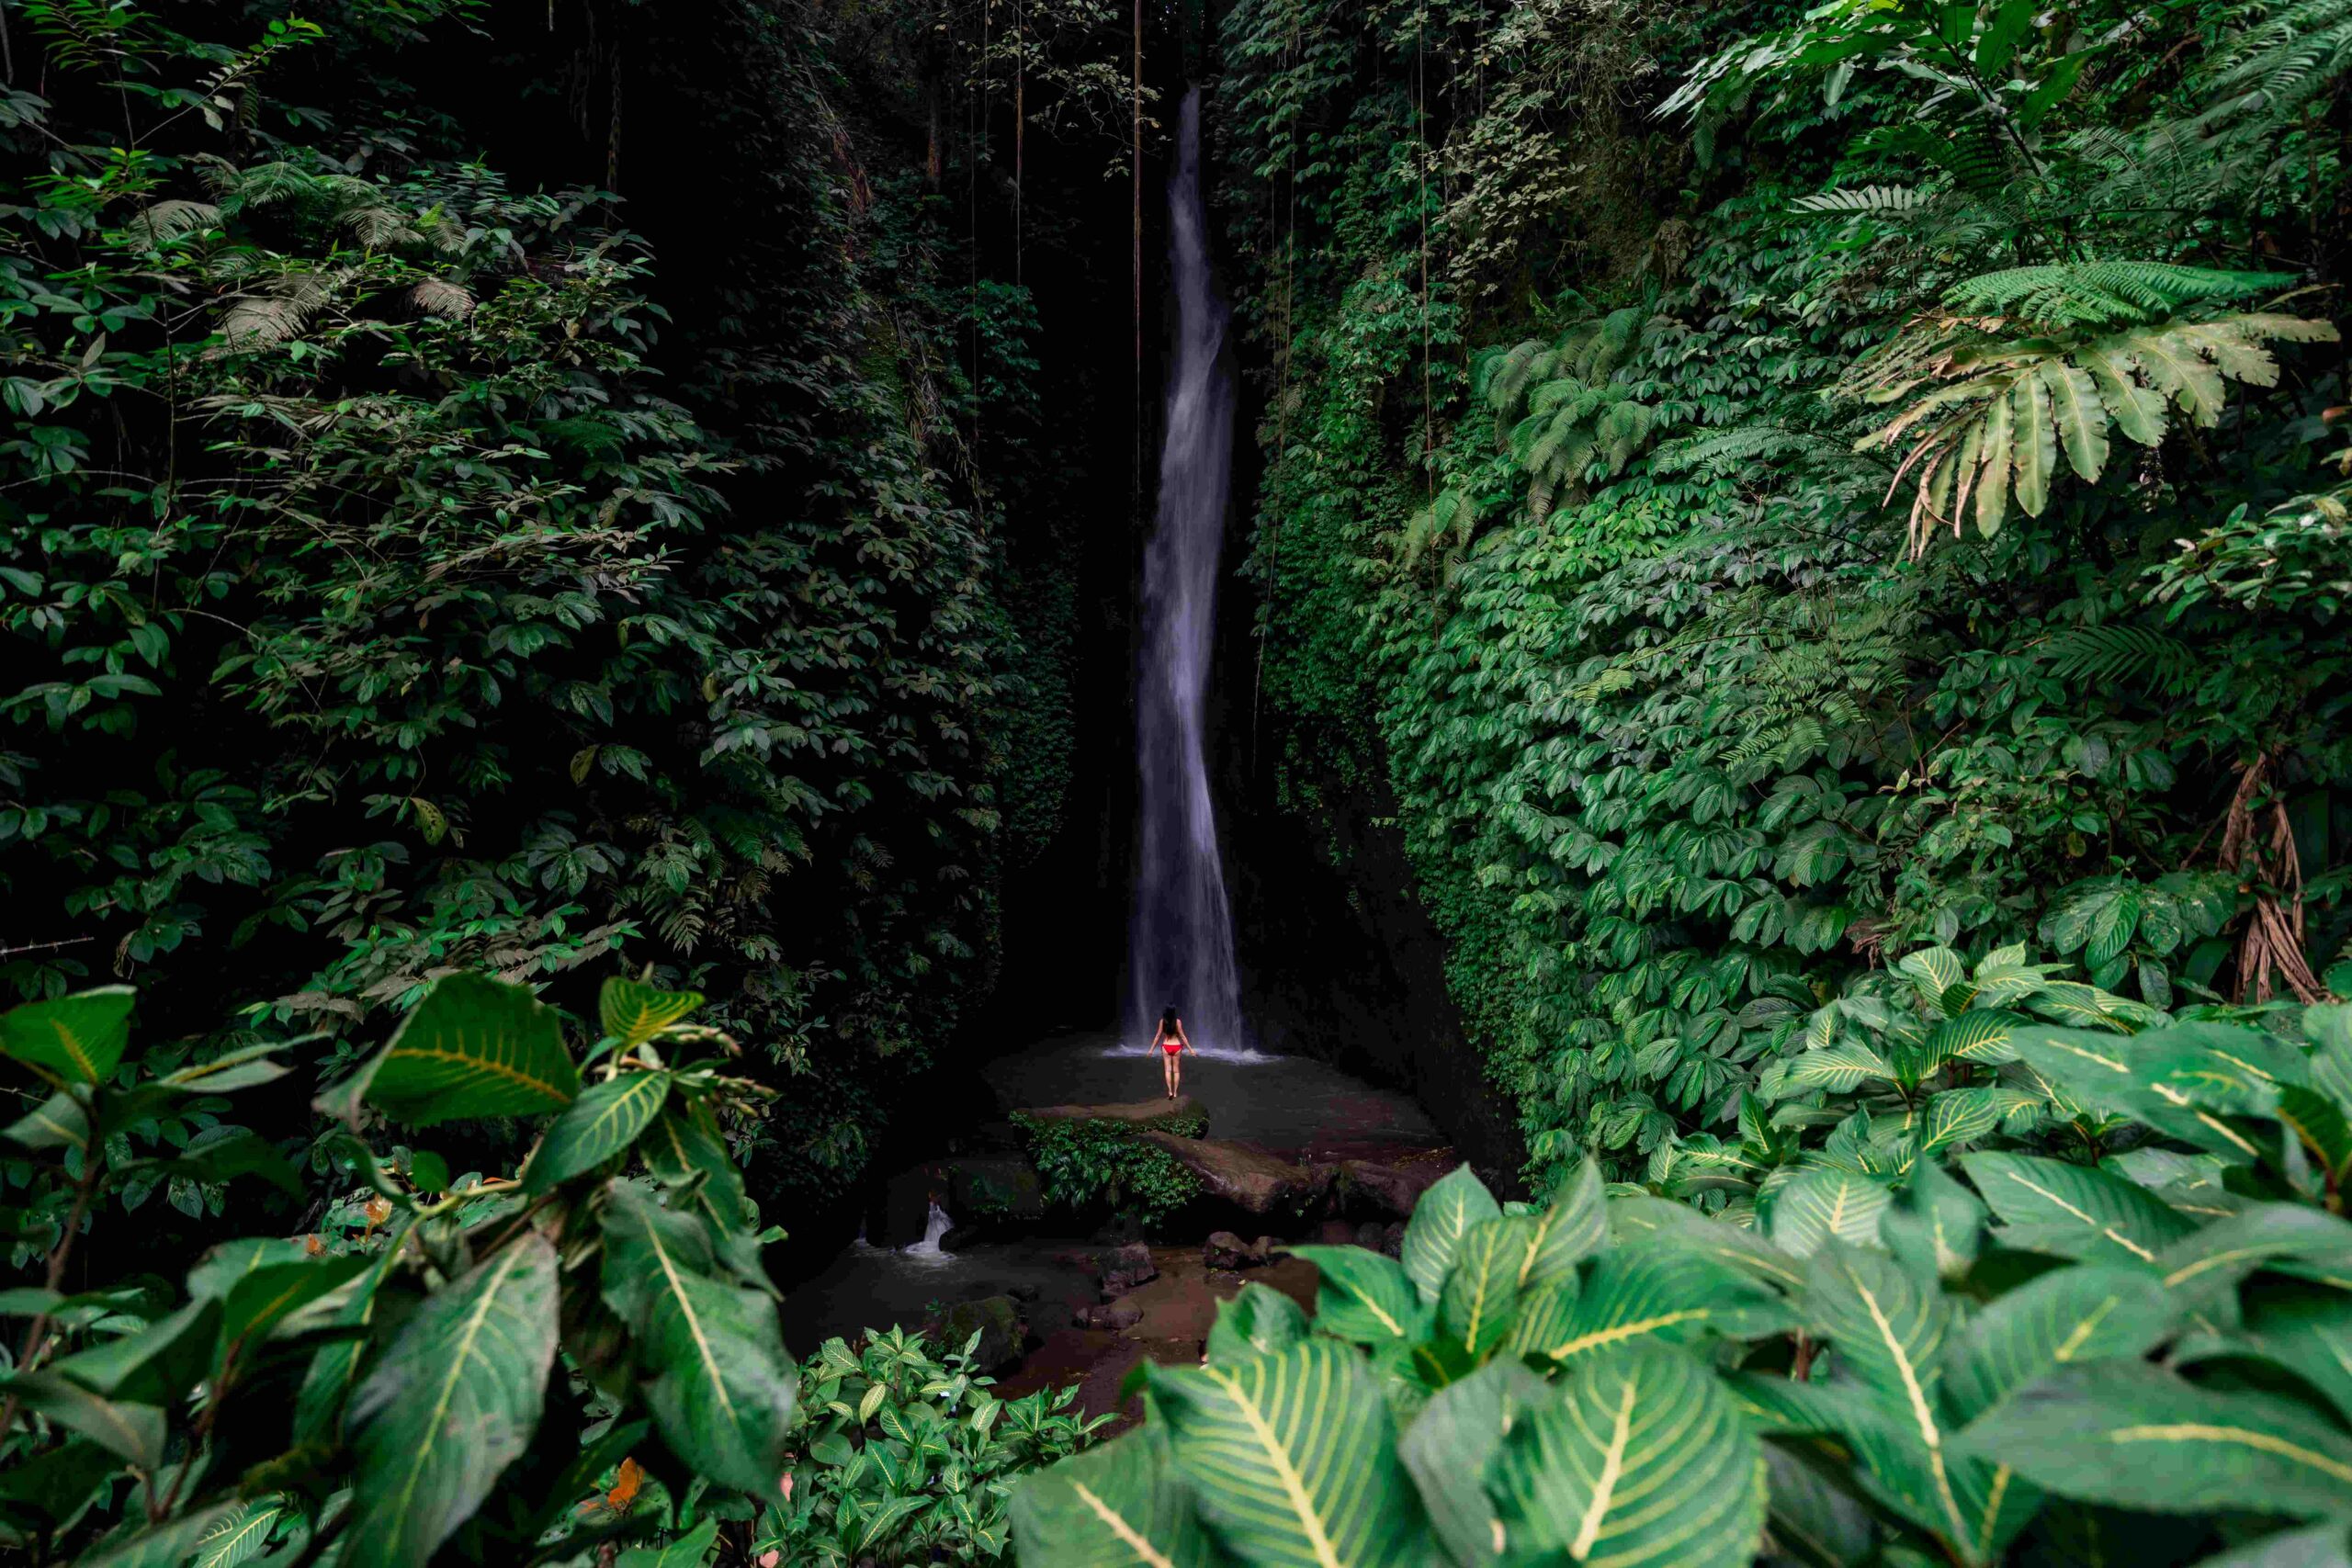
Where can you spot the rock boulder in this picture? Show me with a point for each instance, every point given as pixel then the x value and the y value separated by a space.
pixel 998 1321
pixel 1239 1174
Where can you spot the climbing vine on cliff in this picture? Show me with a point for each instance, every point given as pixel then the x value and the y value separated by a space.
pixel 1745 483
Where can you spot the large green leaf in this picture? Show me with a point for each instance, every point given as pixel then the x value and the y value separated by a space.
pixel 78 1039
pixel 2305 1328
pixel 1482 1292
pixel 1364 1297
pixel 165 1545
pixel 263 1300
pixel 1662 1293
pixel 1448 1446
pixel 134 1431
pixel 691 1550
pixel 1819 1206
pixel 453 1401
pixel 2287 1236
pixel 1639 1459
pixel 2134 1434
pixel 156 1365
pixel 721 1388
pixel 1551 1243
pixel 2066 1316
pixel 1120 1505
pixel 1291 1460
pixel 238 1536
pixel 1934 1224
pixel 1644 1219
pixel 2047 1205
pixel 1258 1320
pixel 634 1013
pixel 605 1120
pixel 2081 420
pixel 1440 1220
pixel 473 1047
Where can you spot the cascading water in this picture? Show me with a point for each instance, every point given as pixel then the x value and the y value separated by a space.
pixel 936 1225
pixel 1181 938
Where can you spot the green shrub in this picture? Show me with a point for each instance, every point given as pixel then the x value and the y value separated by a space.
pixel 1999 1359
pixel 1087 1166
pixel 544 1366
pixel 907 1457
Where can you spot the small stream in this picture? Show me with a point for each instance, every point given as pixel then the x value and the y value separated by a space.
pixel 1293 1107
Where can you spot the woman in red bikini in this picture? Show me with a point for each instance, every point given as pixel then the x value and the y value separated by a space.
pixel 1172 1044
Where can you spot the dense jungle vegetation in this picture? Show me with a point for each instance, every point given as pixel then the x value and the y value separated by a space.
pixel 554 558
pixel 1757 490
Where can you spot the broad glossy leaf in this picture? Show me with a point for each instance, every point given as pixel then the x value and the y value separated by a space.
pixel 2047 1205
pixel 1981 1034
pixel 2066 1316
pixel 1364 1297
pixel 1291 1460
pixel 1641 1219
pixel 166 1545
pixel 603 1121
pixel 134 1431
pixel 1819 1206
pixel 452 1402
pixel 2305 1328
pixel 1444 1217
pixel 2306 1241
pixel 319 1403
pixel 156 1365
pixel 1934 1224
pixel 2138 1437
pixel 78 1039
pixel 1258 1320
pixel 1639 1461
pixel 473 1047
pixel 1119 1505
pixel 721 1388
pixel 691 1550
pixel 263 1298
pixel 238 1536
pixel 634 1013
pixel 57 1122
pixel 1663 1293
pixel 1551 1243
pixel 2034 446
pixel 1448 1446
pixel 1481 1293
pixel 687 1152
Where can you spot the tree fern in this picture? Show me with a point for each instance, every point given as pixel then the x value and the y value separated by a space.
pixel 2113 654
pixel 2285 58
pixel 1989 415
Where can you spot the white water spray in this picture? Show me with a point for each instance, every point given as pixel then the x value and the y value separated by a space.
pixel 935 1226
pixel 1181 938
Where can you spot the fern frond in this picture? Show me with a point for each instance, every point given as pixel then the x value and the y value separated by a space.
pixel 2103 293
pixel 1875 201
pixel 2117 653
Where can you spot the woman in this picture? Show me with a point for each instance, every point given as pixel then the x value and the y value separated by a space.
pixel 1172 1044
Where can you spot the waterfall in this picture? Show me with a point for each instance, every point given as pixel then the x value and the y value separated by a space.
pixel 1181 938
pixel 935 1226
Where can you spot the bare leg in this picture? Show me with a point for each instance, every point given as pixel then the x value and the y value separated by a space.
pixel 1175 1077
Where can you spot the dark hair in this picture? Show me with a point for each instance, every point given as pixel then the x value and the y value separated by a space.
pixel 1167 1018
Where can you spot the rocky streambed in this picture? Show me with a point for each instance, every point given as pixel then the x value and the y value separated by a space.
pixel 1284 1150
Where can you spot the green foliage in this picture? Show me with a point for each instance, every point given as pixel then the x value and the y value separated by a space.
pixel 1973 1362
pixel 377 607
pixel 1641 616
pixel 1089 1165
pixel 474 1369
pixel 909 1457
pixel 413 1379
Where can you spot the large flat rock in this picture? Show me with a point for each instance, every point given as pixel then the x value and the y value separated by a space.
pixel 1249 1178
pixel 1163 1113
